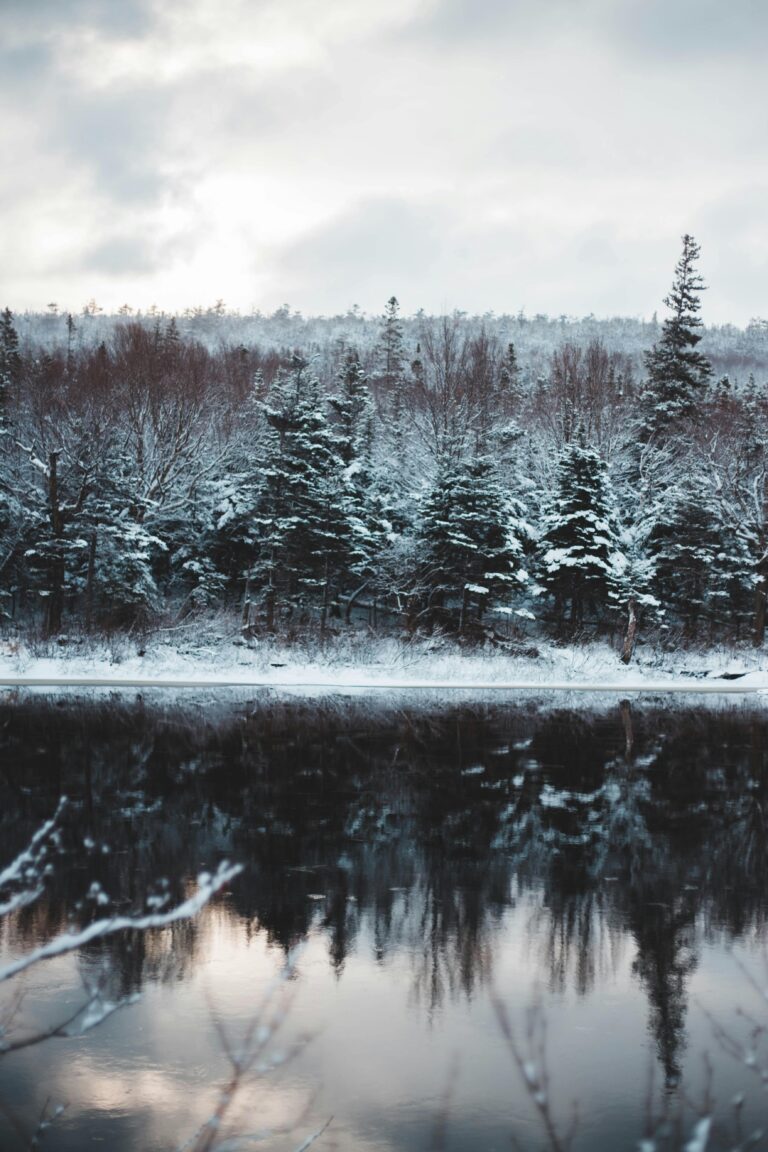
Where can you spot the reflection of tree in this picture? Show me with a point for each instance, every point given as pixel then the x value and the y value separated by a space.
pixel 407 832
pixel 665 959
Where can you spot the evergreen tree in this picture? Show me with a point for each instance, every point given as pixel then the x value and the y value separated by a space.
pixel 116 576
pixel 471 542
pixel 353 408
pixel 364 503
pixel 744 499
pixel 391 346
pixel 702 568
pixel 10 365
pixel 580 534
pixel 509 392
pixel 302 514
pixel 677 373
pixel 234 491
pixel 84 550
pixel 632 573
pixel 10 508
pixel 392 373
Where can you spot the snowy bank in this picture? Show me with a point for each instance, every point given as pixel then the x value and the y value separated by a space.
pixel 369 664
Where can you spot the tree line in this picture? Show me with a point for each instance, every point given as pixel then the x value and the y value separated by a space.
pixel 432 480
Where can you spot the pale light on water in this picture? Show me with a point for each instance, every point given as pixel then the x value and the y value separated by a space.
pixel 620 889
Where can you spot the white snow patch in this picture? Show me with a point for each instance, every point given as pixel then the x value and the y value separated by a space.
pixel 352 666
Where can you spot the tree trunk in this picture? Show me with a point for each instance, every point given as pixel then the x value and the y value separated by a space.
pixel 270 607
pixel 464 611
pixel 89 582
pixel 324 609
pixel 629 636
pixel 56 597
pixel 350 602
pixel 758 630
pixel 245 619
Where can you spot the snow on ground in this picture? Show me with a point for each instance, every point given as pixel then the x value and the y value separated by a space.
pixel 354 662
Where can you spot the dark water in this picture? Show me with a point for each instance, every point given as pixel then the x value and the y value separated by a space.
pixel 607 868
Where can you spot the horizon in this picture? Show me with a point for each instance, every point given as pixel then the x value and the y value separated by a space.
pixel 219 309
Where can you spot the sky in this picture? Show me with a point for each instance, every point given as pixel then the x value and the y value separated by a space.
pixel 482 155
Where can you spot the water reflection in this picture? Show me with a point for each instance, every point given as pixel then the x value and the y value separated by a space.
pixel 414 844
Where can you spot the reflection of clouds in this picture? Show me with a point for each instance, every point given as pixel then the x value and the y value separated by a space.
pixel 172 1103
pixel 89 1085
pixel 165 1060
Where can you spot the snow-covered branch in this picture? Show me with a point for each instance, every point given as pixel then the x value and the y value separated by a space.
pixel 27 870
pixel 208 886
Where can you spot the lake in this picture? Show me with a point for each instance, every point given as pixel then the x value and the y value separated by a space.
pixel 472 898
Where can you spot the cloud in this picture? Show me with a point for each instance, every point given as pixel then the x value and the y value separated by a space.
pixel 477 155
pixel 119 137
pixel 701 31
pixel 24 68
pixel 46 18
pixel 460 23
pixel 683 29
pixel 365 253
pixel 120 254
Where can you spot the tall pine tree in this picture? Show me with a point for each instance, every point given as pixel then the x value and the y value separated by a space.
pixel 363 501
pixel 10 365
pixel 678 374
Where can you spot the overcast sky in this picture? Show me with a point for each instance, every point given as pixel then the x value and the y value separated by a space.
pixel 473 154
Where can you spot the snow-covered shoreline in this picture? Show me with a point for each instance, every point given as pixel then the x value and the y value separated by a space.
pixel 377 665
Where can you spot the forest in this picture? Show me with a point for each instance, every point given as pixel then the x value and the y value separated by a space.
pixel 494 478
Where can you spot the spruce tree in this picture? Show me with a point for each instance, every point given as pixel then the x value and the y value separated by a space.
pixel 301 517
pixel 353 408
pixel 745 499
pixel 702 568
pixel 363 501
pixel 391 347
pixel 678 374
pixel 580 534
pixel 392 373
pixel 471 542
pixel 10 365
pixel 509 392
pixel 11 517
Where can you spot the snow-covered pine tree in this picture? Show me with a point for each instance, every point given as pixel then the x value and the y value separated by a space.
pixel 391 374
pixel 10 361
pixel 10 510
pixel 301 517
pixel 701 567
pixel 631 581
pixel 744 493
pixel 391 346
pixel 579 534
pixel 116 578
pixel 365 500
pixel 235 489
pixel 678 374
pixel 510 391
pixel 470 543
pixel 353 410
